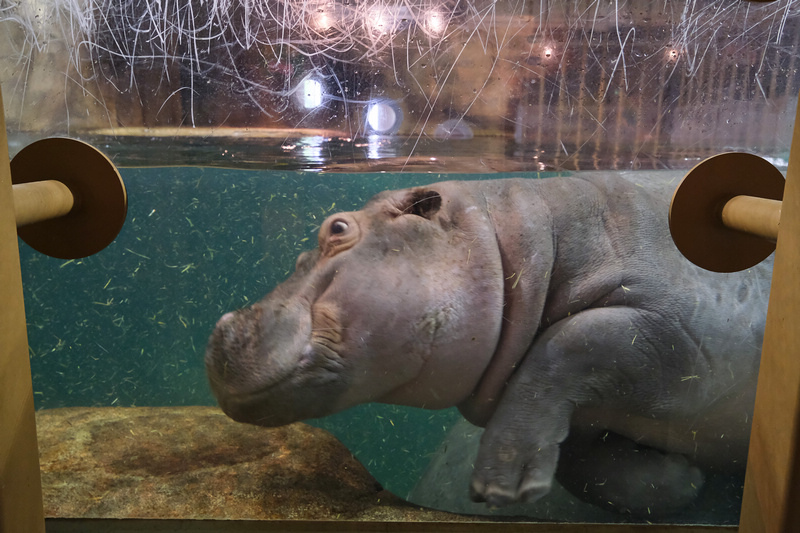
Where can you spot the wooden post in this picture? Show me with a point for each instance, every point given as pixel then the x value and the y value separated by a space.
pixel 20 483
pixel 772 486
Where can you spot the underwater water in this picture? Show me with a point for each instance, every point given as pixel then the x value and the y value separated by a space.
pixel 129 325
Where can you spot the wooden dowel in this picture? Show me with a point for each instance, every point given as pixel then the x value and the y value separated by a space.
pixel 41 200
pixel 756 216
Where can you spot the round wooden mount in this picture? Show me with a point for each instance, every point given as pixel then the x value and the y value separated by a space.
pixel 695 214
pixel 100 200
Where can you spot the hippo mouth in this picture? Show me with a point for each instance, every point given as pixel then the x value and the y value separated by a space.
pixel 262 377
pixel 285 398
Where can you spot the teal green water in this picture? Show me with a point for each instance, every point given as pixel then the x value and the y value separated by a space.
pixel 128 326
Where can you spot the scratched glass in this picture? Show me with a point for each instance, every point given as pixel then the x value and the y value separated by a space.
pixel 241 126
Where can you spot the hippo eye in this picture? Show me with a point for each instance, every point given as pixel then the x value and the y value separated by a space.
pixel 338 227
pixel 339 232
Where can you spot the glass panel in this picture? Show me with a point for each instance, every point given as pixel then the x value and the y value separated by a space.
pixel 243 127
pixel 528 85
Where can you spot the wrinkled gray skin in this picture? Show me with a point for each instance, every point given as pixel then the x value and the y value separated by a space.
pixel 557 313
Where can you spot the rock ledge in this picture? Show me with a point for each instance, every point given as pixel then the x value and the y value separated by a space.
pixel 195 463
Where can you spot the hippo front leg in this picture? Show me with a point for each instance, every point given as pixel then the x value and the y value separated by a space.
pixel 518 453
pixel 602 359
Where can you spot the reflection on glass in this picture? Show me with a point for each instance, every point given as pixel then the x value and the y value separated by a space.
pixel 312 93
pixel 576 85
pixel 382 117
pixel 440 89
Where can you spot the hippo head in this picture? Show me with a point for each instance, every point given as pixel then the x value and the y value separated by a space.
pixel 402 302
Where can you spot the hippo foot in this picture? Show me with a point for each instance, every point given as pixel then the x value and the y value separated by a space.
pixel 511 475
pixel 616 473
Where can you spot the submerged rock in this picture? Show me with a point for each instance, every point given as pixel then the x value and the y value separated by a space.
pixel 194 462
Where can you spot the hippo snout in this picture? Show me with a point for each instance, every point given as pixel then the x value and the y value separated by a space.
pixel 257 356
pixel 233 348
pixel 220 345
pixel 225 318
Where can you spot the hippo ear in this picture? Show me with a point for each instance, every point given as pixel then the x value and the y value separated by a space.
pixel 424 204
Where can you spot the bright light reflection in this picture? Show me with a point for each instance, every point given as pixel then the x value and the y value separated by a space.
pixel 321 18
pixel 381 117
pixel 673 54
pixel 312 93
pixel 311 149
pixel 379 19
pixel 373 147
pixel 435 22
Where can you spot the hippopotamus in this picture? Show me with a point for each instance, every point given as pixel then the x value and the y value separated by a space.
pixel 556 313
